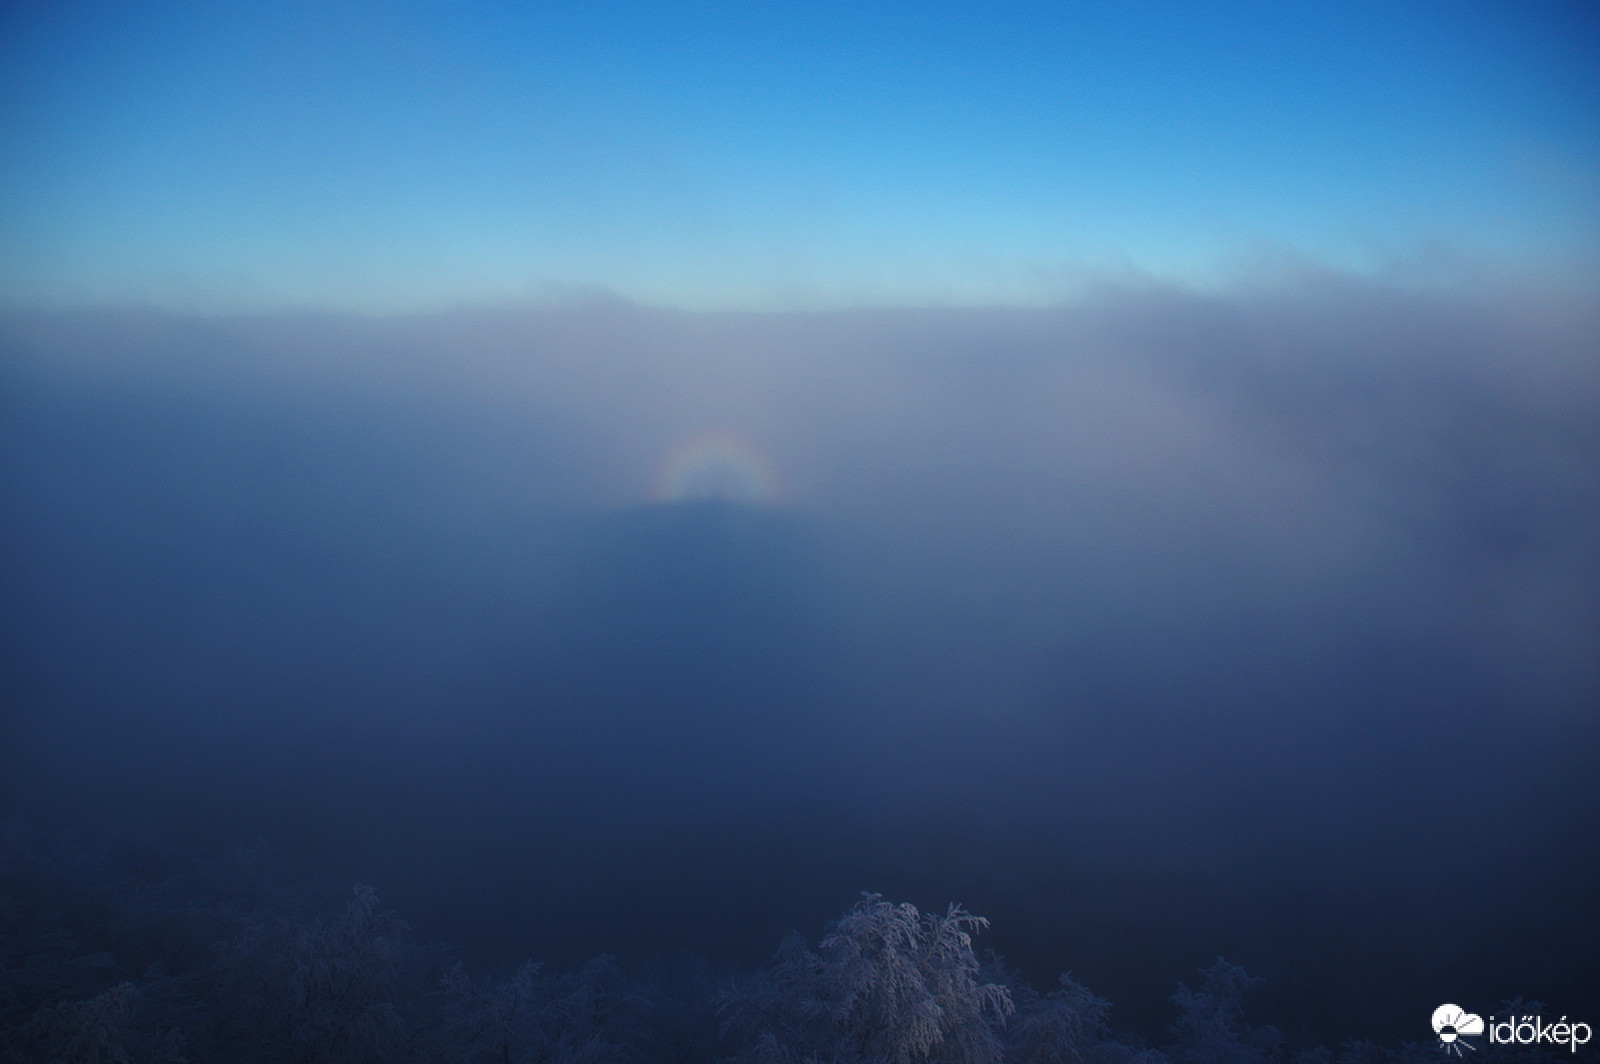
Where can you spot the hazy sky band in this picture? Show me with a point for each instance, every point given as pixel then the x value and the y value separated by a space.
pixel 407 156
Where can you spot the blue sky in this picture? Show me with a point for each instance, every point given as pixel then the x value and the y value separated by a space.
pixel 400 157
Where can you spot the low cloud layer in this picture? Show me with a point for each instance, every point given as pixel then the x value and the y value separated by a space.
pixel 1162 624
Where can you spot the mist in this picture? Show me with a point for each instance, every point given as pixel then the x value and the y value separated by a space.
pixel 1163 624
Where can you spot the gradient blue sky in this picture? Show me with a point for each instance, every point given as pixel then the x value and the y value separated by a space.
pixel 408 156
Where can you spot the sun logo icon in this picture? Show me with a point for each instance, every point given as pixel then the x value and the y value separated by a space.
pixel 1452 1024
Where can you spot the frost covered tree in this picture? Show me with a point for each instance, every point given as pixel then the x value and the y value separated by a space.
pixel 1065 1027
pixel 1071 1025
pixel 489 1019
pixel 324 991
pixel 588 1015
pixel 584 1016
pixel 1211 1027
pixel 886 985
pixel 102 1028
